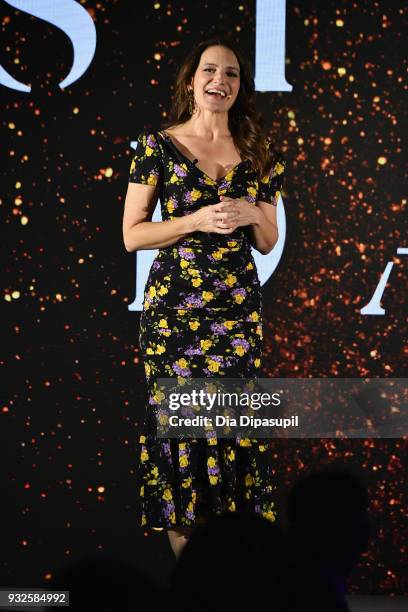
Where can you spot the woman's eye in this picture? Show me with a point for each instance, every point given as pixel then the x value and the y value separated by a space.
pixel 229 73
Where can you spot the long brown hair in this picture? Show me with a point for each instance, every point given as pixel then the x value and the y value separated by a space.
pixel 244 121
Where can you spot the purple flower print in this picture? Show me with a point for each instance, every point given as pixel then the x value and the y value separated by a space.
pixel 179 171
pixel 218 328
pixel 191 301
pixel 220 284
pixel 168 507
pixel 193 351
pixel 186 254
pixel 239 291
pixel 180 370
pixel 240 342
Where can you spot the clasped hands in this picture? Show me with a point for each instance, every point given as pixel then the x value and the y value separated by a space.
pixel 225 216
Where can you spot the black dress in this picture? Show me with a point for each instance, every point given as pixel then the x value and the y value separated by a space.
pixel 201 318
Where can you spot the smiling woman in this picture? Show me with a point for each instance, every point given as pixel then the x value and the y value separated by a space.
pixel 202 314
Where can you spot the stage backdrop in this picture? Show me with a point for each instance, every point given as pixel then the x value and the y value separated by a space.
pixel 78 82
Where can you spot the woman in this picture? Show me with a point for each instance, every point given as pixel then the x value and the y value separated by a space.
pixel 216 176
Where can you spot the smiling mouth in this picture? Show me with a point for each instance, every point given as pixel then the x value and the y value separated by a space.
pixel 215 95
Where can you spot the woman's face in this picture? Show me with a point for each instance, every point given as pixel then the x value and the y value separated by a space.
pixel 218 69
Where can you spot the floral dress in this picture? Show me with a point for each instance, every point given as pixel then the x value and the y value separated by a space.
pixel 201 318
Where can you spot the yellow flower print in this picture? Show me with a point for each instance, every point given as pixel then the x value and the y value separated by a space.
pixel 207 295
pixel 174 178
pixel 153 481
pixel 132 165
pixel 232 243
pixel 270 515
pixel 254 316
pixel 213 366
pixel 151 180
pixel 183 461
pixel 249 480
pixel 257 362
pixel 240 350
pixel 162 290
pixel 205 344
pixel 239 298
pixel 158 396
pixel 252 192
pixel 194 325
pixel 181 312
pixel 262 448
pixel 160 349
pixel 195 194
pixel 142 491
pixel 149 151
pixel 245 442
pixel 167 495
pixel 279 168
pixel 187 482
pixel 231 507
pixel 259 330
pixel 250 266
pixel 172 518
pixel 155 471
pixel 184 263
pixel 144 521
pixel 142 439
pixel 212 441
pixel 163 419
pixel 152 291
pixel 144 456
pixel 213 480
pixel 182 362
pixel 163 323
pixel 170 206
pixel 211 462
pixel 230 280
pixel 149 351
pixel 193 272
pixel 190 507
pixel 229 324
pixel 216 255
pixel 146 305
pixel 196 282
pixel 147 369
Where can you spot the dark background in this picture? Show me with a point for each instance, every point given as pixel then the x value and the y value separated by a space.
pixel 72 375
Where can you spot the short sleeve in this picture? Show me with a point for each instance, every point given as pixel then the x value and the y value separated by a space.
pixel 270 185
pixel 146 166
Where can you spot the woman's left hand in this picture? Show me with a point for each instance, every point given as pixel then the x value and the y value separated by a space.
pixel 245 212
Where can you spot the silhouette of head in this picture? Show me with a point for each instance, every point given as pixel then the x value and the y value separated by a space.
pixel 328 519
pixel 234 561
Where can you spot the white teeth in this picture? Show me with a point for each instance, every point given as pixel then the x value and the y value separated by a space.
pixel 222 93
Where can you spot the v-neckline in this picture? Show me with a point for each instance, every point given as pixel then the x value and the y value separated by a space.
pixel 218 180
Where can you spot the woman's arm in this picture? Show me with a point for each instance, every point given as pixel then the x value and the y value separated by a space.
pixel 139 232
pixel 264 230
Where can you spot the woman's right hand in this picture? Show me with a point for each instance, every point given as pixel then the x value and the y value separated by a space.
pixel 207 219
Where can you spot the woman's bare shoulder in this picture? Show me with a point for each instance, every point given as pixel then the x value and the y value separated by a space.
pixel 177 130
